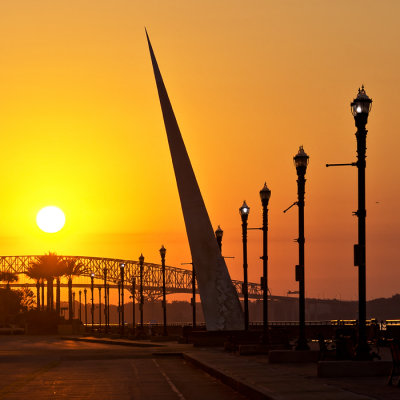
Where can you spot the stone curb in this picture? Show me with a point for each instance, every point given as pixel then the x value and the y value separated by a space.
pixel 250 391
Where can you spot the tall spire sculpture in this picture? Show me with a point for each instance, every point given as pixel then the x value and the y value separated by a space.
pixel 220 302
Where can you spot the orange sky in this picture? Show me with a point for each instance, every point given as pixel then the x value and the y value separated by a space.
pixel 81 128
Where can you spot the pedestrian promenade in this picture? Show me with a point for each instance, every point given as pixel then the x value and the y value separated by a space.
pixel 255 378
pixel 52 367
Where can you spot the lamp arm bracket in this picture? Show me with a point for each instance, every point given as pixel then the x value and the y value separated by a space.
pixel 353 164
pixel 294 204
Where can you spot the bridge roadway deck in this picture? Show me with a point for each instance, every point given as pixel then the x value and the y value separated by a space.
pixel 178 280
pixel 145 288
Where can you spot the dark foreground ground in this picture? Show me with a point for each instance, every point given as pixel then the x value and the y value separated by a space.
pixel 52 368
pixel 49 368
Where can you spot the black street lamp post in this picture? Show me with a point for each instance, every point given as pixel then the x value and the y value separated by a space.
pixel 80 306
pixel 99 307
pixel 193 299
pixel 121 267
pixel 163 251
pixel 92 289
pixel 73 304
pixel 42 284
pixel 133 305
pixel 119 304
pixel 244 213
pixel 38 294
pixel 70 303
pixel 301 162
pixel 106 322
pixel 108 304
pixel 360 108
pixel 218 234
pixel 141 260
pixel 265 195
pixel 85 293
pixel 58 294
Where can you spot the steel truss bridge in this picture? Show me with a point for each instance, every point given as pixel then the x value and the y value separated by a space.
pixel 177 280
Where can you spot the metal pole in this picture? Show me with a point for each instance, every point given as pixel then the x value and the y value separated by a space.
pixel 80 306
pixel 133 305
pixel 99 307
pixel 141 259
pixel 164 300
pixel 122 301
pixel 70 312
pixel 218 234
pixel 361 135
pixel 73 304
pixel 194 295
pixel 38 294
pixel 42 284
pixel 58 294
pixel 106 322
pixel 108 305
pixel 245 283
pixel 85 292
pixel 361 106
pixel 92 308
pixel 302 342
pixel 219 241
pixel 264 281
pixel 51 287
pixel 119 304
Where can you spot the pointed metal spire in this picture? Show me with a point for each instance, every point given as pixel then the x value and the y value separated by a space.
pixel 220 302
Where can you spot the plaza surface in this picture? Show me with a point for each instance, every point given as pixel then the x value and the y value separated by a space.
pixel 86 368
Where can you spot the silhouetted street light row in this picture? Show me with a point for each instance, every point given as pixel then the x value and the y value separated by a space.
pixel 121 303
pixel 360 108
pixel 244 211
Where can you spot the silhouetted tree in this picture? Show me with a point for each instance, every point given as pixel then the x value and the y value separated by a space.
pixel 10 305
pixel 8 277
pixel 59 271
pixel 35 271
pixel 27 299
pixel 51 266
pixel 72 268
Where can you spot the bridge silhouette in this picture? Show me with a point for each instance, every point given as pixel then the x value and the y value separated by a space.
pixel 178 280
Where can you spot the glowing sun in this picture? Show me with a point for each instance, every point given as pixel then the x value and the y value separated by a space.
pixel 50 219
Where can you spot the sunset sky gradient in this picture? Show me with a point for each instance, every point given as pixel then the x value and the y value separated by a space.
pixel 81 129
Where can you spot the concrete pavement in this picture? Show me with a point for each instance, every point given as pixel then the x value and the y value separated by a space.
pixel 78 367
pixel 41 368
pixel 255 378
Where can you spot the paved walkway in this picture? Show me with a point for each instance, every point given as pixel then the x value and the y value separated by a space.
pixel 44 368
pixel 254 377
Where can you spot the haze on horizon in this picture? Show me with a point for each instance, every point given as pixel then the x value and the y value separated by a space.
pixel 82 129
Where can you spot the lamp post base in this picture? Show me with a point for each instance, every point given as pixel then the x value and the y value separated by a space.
pixel 363 352
pixel 302 345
